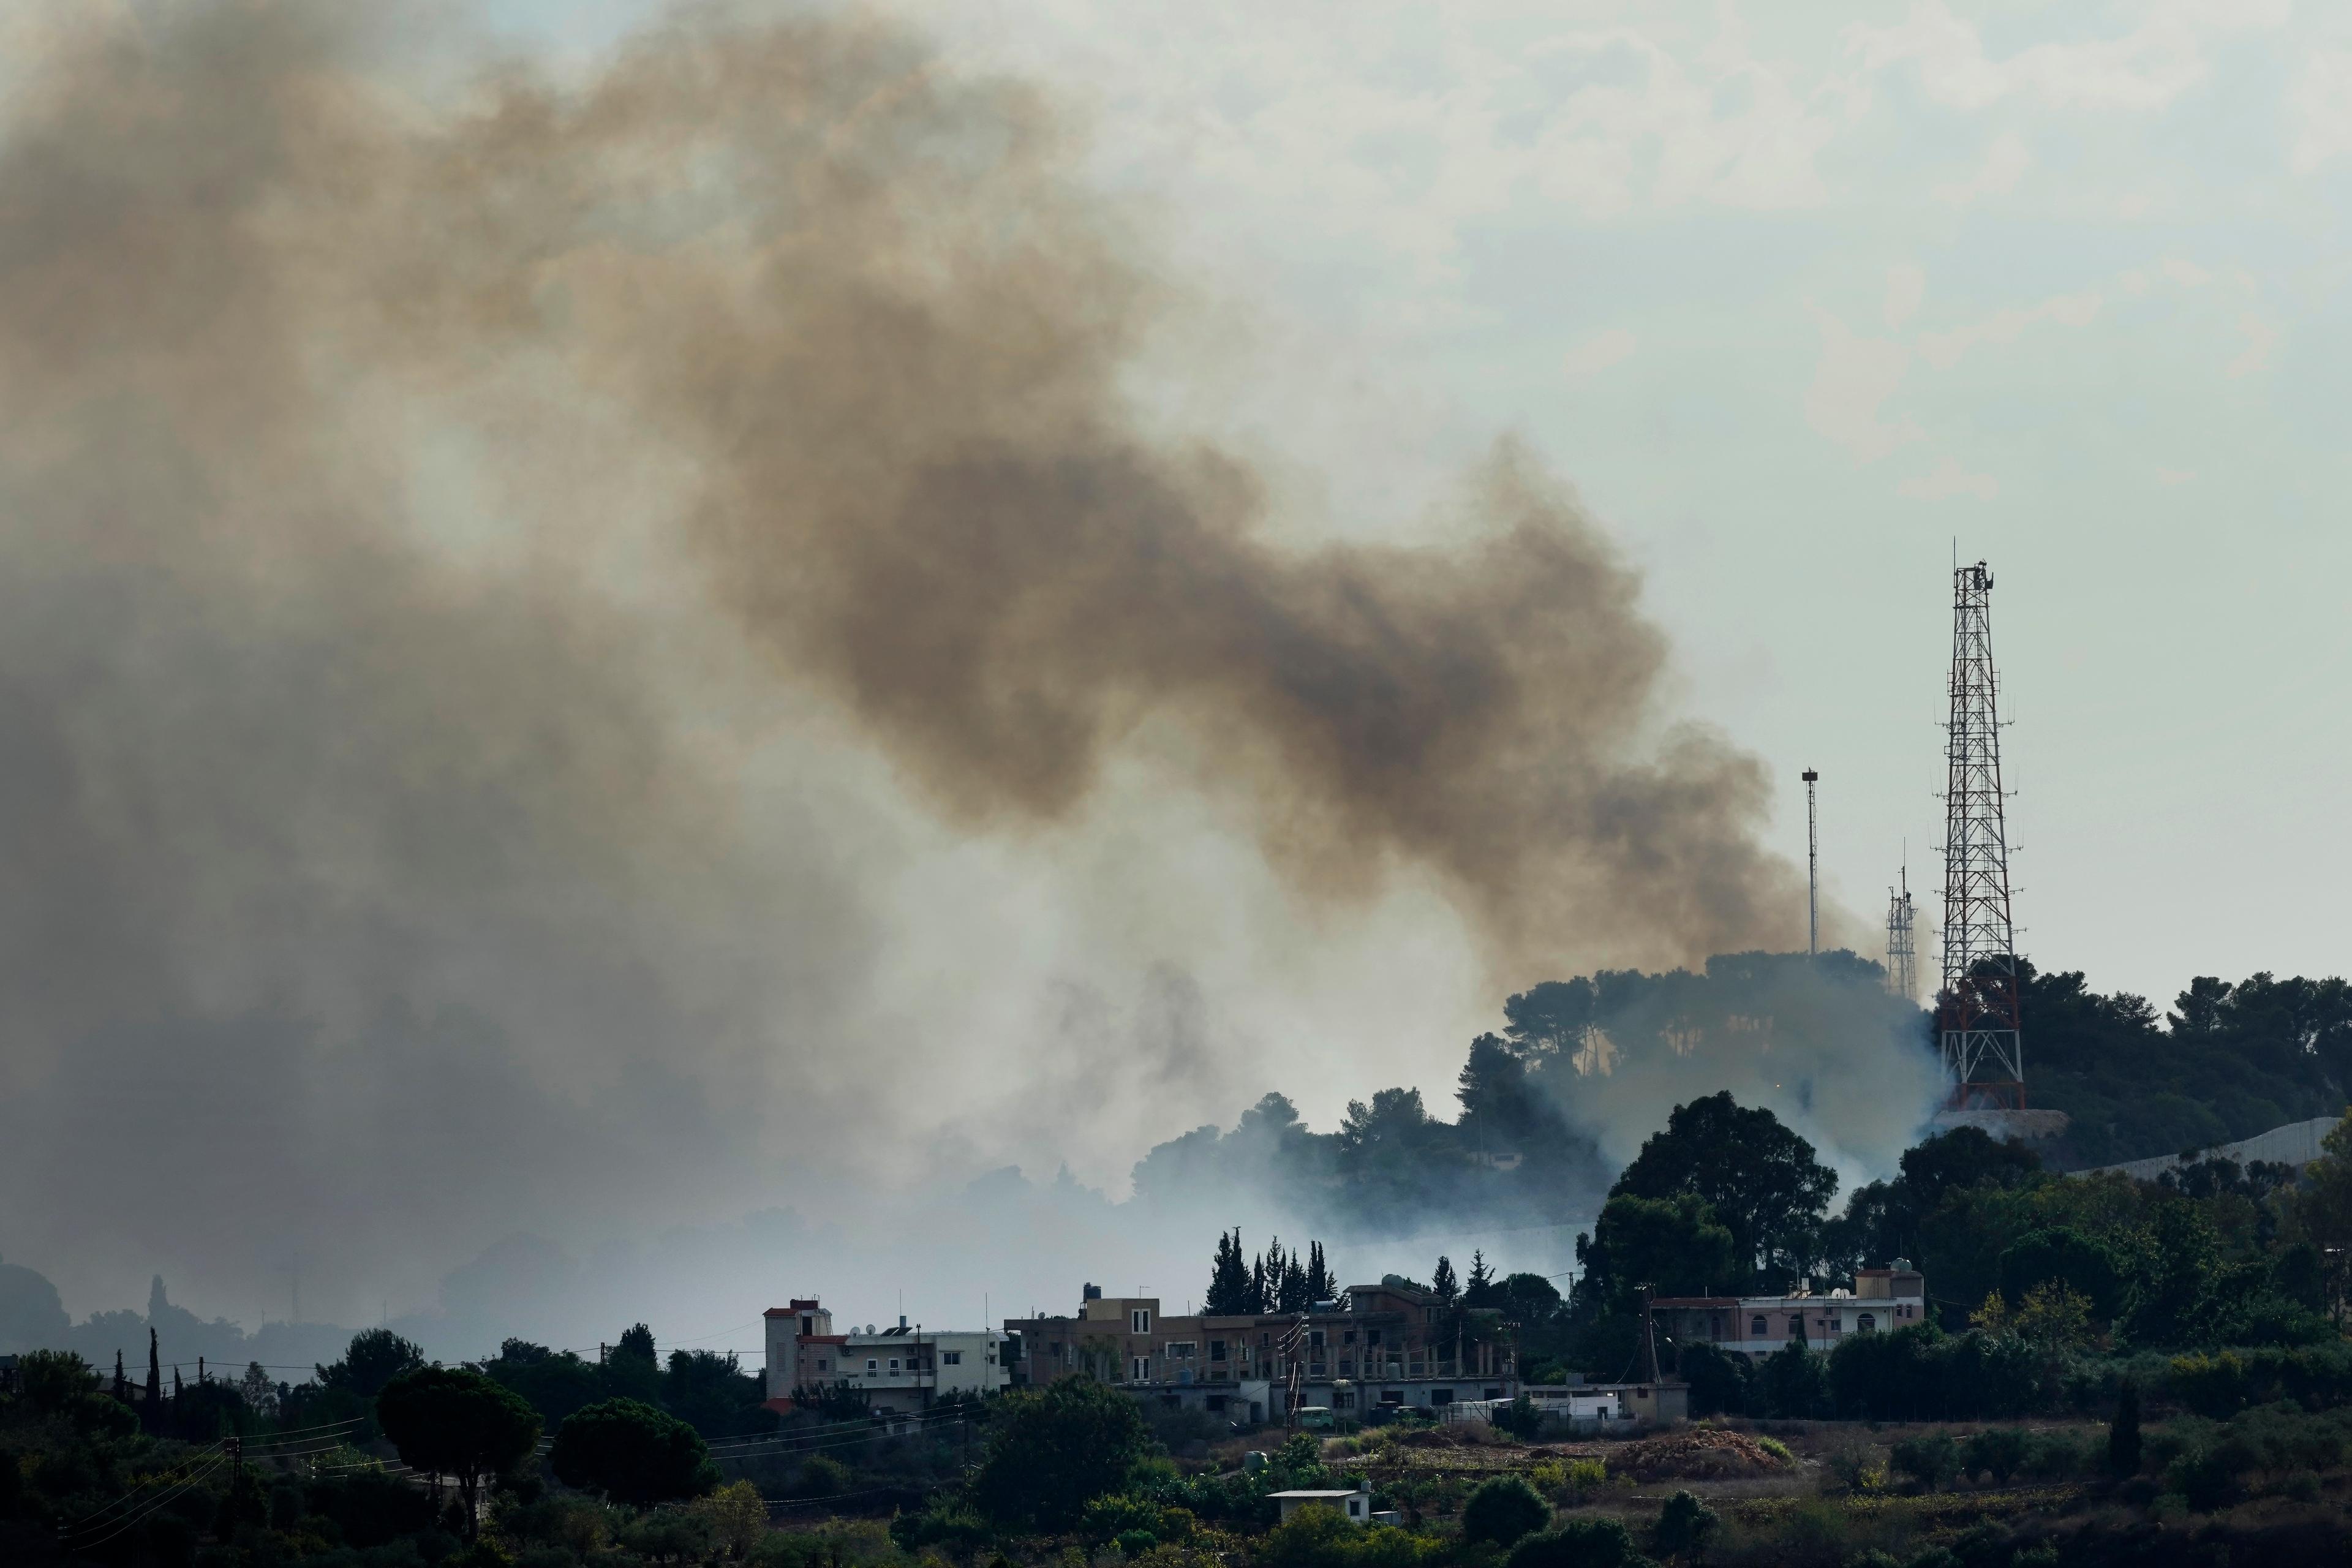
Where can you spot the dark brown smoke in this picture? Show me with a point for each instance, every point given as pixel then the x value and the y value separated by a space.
pixel 864 300
pixel 431 502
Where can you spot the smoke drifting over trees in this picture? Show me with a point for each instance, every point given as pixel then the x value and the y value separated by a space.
pixel 472 556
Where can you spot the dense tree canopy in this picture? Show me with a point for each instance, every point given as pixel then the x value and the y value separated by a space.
pixel 1760 1180
pixel 631 1453
pixel 1052 1451
pixel 454 1421
pixel 373 1358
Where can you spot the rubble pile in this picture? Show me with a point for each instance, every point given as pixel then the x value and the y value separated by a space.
pixel 1695 1453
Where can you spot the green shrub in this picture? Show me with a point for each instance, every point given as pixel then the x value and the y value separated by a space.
pixel 1320 1537
pixel 1501 1509
pixel 952 1525
pixel 1578 1543
pixel 1998 1451
pixel 1684 1527
pixel 1854 1465
pixel 1520 1418
pixel 2222 1383
pixel 2055 1454
pixel 1930 1459
pixel 1586 1477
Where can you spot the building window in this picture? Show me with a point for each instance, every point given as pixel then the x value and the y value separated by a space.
pixel 1758 1327
pixel 1865 1325
pixel 1441 1396
pixel 1216 1350
pixel 808 1327
pixel 1347 1336
pixel 1181 1350
pixel 1139 1321
pixel 1216 1403
pixel 894 1364
pixel 822 1365
pixel 1314 1339
pixel 871 1363
pixel 1391 1397
pixel 1139 1369
pixel 1342 1400
pixel 952 1358
pixel 1371 1336
pixel 1796 1324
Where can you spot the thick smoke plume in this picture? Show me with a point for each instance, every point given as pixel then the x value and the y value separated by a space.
pixel 458 539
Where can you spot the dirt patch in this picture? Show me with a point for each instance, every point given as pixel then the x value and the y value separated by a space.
pixel 1696 1453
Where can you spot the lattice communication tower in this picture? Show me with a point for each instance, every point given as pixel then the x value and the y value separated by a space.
pixel 1977 1019
pixel 1902 959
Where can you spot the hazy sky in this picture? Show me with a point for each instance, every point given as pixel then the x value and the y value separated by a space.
pixel 1804 297
pixel 1799 305
pixel 1803 302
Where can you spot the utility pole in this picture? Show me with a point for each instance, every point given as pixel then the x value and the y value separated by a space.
pixel 1812 873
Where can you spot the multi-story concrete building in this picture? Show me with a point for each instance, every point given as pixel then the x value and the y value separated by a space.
pixel 1387 1344
pixel 901 1369
pixel 1755 1326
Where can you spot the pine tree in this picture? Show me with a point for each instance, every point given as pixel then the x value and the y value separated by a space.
pixel 1320 1286
pixel 1230 1285
pixel 1275 1261
pixel 1481 1283
pixel 1442 1285
pixel 1294 1286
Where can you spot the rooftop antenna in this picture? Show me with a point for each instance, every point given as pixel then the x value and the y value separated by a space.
pixel 1812 873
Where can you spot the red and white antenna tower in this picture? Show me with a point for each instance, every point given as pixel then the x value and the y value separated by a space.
pixel 1977 1010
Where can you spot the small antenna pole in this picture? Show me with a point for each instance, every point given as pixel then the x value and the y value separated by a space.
pixel 1812 871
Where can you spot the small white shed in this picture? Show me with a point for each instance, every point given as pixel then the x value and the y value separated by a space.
pixel 1355 1507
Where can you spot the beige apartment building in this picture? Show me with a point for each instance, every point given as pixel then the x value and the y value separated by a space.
pixel 1386 1345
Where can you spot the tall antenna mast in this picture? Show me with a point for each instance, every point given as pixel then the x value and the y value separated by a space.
pixel 1902 965
pixel 1812 873
pixel 1976 1007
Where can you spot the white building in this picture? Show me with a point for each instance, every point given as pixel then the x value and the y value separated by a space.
pixel 1755 1326
pixel 1356 1507
pixel 901 1369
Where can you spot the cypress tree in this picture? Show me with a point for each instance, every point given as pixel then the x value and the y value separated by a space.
pixel 1257 1284
pixel 1442 1284
pixel 1229 1281
pixel 1320 1286
pixel 154 1384
pixel 1294 1286
pixel 1275 1261
pixel 121 1384
pixel 2123 1433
